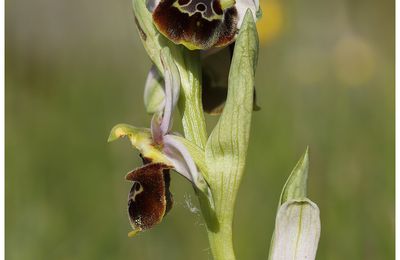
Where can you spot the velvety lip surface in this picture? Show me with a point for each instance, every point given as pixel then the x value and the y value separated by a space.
pixel 197 24
pixel 149 198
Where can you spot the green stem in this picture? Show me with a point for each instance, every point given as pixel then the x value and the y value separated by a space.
pixel 221 242
pixel 219 229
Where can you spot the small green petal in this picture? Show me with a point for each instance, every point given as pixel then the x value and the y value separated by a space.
pixel 141 139
pixel 154 92
pixel 135 134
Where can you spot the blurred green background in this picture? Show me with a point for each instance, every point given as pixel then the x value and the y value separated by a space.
pixel 76 68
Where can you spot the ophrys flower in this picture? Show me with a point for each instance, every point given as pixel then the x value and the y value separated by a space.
pixel 150 199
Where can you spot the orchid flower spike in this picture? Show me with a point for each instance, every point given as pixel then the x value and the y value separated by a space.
pixel 201 24
pixel 150 199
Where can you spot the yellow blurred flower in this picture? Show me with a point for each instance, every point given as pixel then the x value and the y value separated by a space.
pixel 354 60
pixel 269 26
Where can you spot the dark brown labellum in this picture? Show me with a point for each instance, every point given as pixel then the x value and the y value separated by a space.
pixel 149 198
pixel 198 24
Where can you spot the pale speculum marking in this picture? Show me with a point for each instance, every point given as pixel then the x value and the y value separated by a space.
pixel 208 9
pixel 137 189
pixel 201 7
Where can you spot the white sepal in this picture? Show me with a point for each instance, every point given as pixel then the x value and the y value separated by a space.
pixel 297 231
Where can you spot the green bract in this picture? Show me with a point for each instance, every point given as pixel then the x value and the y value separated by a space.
pixel 153 92
pixel 296 185
pixel 227 145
